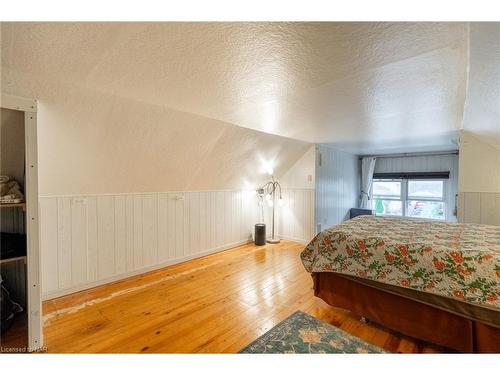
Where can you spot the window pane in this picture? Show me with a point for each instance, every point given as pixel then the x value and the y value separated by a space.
pixel 387 207
pixel 425 209
pixel 425 189
pixel 387 188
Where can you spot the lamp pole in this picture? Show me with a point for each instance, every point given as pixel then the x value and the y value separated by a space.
pixel 273 239
pixel 269 189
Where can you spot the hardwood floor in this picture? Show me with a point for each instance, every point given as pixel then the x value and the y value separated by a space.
pixel 215 304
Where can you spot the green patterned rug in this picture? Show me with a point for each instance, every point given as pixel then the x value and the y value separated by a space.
pixel 302 333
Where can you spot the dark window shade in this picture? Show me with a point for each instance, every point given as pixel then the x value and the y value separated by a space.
pixel 413 175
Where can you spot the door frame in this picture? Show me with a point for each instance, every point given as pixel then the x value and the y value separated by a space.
pixel 34 299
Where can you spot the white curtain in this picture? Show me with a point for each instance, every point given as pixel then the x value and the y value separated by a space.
pixel 367 169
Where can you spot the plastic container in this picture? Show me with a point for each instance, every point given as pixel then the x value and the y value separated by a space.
pixel 260 234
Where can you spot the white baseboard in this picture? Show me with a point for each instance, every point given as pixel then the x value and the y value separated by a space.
pixel 293 239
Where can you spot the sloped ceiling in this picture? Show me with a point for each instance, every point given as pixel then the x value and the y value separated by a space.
pixel 367 87
pixel 95 143
pixel 482 108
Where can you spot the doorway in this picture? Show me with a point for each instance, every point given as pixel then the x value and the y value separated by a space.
pixel 21 326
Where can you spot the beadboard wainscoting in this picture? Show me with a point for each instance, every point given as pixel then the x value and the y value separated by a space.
pixel 296 216
pixel 337 186
pixel 479 208
pixel 91 240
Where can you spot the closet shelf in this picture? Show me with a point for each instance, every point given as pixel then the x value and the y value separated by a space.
pixel 11 205
pixel 15 259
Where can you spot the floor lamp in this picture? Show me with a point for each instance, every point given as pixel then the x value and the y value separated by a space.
pixel 269 190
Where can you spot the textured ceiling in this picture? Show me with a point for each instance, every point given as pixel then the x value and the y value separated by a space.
pixel 366 86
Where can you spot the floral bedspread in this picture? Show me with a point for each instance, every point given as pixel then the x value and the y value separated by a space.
pixel 461 261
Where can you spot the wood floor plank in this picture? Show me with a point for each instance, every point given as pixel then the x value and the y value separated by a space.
pixel 215 304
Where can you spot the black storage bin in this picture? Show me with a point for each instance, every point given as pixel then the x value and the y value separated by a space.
pixel 260 234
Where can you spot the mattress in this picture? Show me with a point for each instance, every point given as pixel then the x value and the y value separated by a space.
pixel 457 261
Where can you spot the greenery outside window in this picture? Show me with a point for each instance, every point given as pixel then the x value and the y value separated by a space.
pixel 418 198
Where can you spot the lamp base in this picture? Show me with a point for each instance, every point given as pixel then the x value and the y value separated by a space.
pixel 273 240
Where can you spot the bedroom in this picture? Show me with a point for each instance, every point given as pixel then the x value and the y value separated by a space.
pixel 196 187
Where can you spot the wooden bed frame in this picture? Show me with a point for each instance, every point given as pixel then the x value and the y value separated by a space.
pixel 398 313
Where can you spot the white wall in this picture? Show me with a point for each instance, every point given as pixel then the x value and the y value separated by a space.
pixel 301 175
pixel 479 165
pixel 482 108
pixel 427 163
pixel 296 216
pixel 479 183
pixel 337 185
pixel 92 143
pixel 479 208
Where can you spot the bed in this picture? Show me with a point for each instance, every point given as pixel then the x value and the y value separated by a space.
pixel 435 281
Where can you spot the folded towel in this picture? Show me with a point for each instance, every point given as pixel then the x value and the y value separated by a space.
pixel 10 192
pixel 11 199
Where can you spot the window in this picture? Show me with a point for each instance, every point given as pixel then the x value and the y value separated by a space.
pixel 387 197
pixel 409 197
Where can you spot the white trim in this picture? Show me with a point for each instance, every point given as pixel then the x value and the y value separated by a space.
pixel 33 287
pixel 122 276
pixel 17 103
pixel 33 231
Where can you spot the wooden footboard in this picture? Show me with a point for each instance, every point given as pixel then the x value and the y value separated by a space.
pixel 407 316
